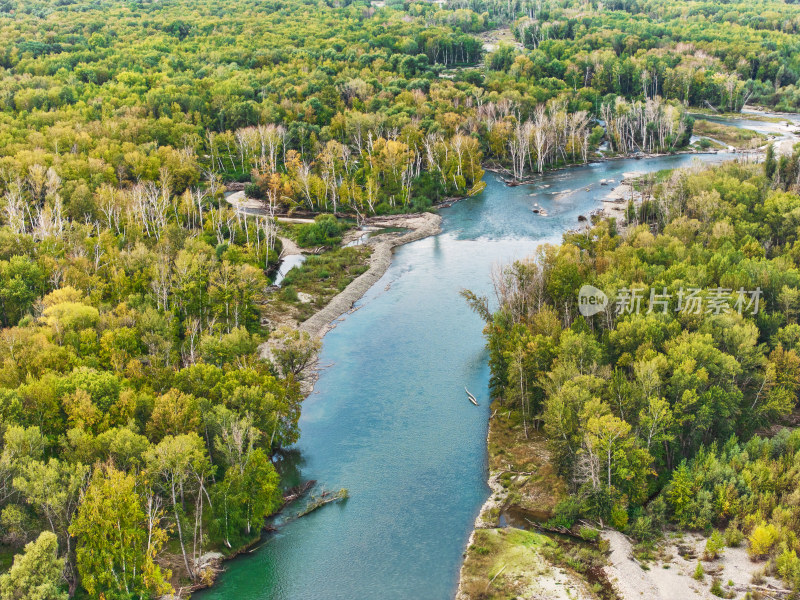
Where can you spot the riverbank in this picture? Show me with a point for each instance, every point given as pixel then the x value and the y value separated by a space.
pixel 503 172
pixel 630 577
pixel 412 227
pixel 729 136
pixel 781 129
pixel 616 201
pixel 421 225
pixel 672 573
pixel 404 229
pixel 500 559
pixel 401 229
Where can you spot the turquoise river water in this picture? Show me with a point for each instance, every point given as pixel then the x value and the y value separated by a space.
pixel 389 419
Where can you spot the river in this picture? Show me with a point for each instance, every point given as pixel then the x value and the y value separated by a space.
pixel 782 131
pixel 389 419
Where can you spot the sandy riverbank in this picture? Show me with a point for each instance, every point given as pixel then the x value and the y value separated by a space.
pixel 616 201
pixel 520 567
pixel 672 574
pixel 421 225
pixel 524 469
pixel 486 519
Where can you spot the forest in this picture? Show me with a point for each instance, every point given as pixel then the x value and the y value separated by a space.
pixel 370 110
pixel 138 419
pixel 668 407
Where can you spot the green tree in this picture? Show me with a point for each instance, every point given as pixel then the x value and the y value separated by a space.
pixel 681 493
pixel 53 489
pixel 762 540
pixel 609 444
pixel 715 545
pixel 770 164
pixel 174 413
pixel 35 574
pixel 117 540
pixel 179 467
pixel 21 282
pixel 247 495
pixel 294 350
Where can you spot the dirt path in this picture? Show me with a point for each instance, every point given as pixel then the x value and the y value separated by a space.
pixel 289 247
pixel 250 206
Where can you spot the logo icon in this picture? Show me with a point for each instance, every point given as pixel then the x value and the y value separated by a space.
pixel 591 300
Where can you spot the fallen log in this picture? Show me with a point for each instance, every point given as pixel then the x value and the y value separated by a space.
pixel 297 492
pixel 322 500
pixel 557 530
pixel 471 397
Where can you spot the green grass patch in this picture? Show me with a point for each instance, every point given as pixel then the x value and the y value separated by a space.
pixel 322 277
pixel 728 134
pixel 501 563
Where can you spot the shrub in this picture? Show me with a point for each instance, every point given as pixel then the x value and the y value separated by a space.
pixel 716 588
pixel 642 528
pixel 289 294
pixel 294 350
pixel 589 534
pixel 566 513
pixel 619 516
pixel 699 573
pixel 252 190
pixel 715 546
pixel 324 231
pixel 788 565
pixel 733 537
pixel 762 540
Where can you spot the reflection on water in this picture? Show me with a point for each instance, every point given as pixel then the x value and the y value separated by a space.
pixel 287 264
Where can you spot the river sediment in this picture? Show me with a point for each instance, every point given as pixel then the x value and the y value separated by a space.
pixel 422 225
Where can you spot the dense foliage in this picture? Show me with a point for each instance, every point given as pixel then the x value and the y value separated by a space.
pixel 628 394
pixel 132 396
pixel 357 110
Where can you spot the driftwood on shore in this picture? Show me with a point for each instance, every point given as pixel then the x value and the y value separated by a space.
pixel 211 562
pixel 545 528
